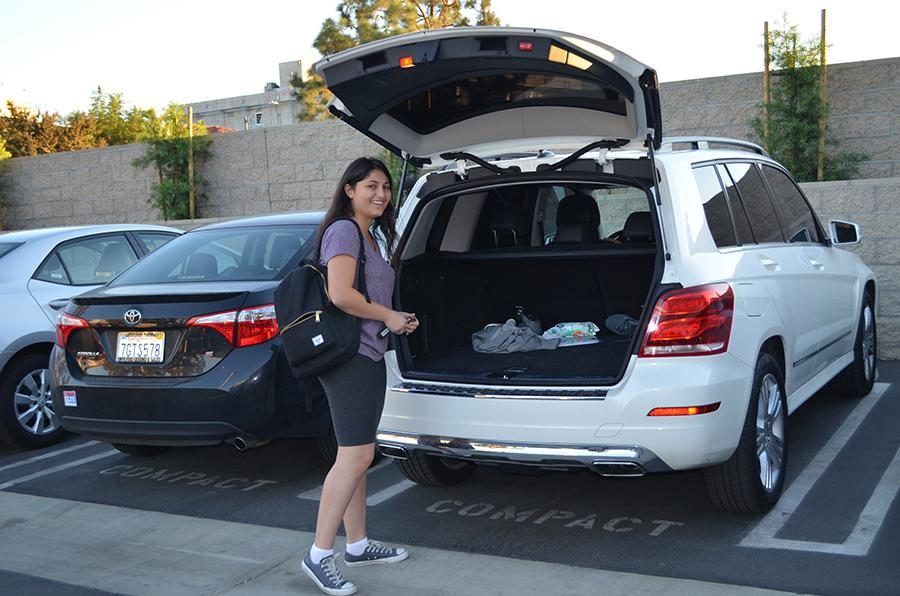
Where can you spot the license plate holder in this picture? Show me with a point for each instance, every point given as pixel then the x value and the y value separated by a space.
pixel 142 347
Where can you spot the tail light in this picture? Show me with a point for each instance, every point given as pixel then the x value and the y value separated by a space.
pixel 65 325
pixel 690 322
pixel 241 328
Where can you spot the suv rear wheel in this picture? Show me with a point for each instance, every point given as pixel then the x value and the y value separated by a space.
pixel 751 480
pixel 435 471
pixel 27 417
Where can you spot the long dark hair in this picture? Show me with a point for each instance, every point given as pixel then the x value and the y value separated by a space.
pixel 341 205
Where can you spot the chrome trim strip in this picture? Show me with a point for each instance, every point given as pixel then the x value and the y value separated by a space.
pixel 544 455
pixel 480 392
pixel 822 349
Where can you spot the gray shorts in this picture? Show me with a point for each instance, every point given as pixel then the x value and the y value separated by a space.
pixel 355 392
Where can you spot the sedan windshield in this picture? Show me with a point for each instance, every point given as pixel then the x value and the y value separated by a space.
pixel 231 254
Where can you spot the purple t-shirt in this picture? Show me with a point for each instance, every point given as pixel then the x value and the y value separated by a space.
pixel 342 238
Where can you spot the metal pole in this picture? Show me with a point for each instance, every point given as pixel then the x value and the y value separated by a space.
pixel 823 98
pixel 191 202
pixel 766 83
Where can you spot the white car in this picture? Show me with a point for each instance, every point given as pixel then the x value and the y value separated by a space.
pixel 721 301
pixel 39 271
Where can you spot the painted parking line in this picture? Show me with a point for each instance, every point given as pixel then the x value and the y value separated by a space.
pixel 391 491
pixel 873 514
pixel 47 455
pixel 315 494
pixel 60 468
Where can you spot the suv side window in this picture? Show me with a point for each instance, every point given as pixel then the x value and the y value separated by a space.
pixel 715 206
pixel 755 198
pixel 738 212
pixel 796 216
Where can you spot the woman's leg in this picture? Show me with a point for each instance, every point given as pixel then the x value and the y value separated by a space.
pixel 355 516
pixel 340 488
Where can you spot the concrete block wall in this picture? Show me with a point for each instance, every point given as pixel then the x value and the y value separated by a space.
pixel 863 99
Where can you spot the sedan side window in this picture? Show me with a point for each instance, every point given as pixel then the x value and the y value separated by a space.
pixel 93 261
pixel 52 270
pixel 796 216
pixel 153 240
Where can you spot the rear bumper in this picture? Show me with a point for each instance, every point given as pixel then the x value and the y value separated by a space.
pixel 250 394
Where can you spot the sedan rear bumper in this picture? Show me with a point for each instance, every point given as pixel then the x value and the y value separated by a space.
pixel 143 432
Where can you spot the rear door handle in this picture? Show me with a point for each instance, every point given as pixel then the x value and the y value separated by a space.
pixel 58 303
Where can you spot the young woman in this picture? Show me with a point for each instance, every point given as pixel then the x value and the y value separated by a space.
pixel 355 390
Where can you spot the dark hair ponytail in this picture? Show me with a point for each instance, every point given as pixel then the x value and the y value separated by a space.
pixel 341 205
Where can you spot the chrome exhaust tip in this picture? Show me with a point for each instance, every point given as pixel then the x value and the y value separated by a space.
pixel 393 451
pixel 618 469
pixel 245 442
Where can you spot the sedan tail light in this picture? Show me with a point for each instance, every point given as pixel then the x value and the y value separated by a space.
pixel 242 328
pixel 690 322
pixel 65 325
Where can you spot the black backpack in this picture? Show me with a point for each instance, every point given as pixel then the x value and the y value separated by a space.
pixel 315 334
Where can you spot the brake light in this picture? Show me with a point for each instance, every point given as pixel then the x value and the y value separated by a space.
pixel 241 328
pixel 406 62
pixel 256 325
pixel 526 46
pixel 685 411
pixel 65 325
pixel 690 322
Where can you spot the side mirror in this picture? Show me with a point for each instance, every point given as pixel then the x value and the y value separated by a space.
pixel 844 232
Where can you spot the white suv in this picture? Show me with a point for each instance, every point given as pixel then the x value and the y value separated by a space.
pixel 721 303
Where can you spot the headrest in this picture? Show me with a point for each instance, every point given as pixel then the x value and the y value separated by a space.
pixel 577 218
pixel 638 228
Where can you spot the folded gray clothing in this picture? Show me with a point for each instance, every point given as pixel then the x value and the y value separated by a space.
pixel 507 338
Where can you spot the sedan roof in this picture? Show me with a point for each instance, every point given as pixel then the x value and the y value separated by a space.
pixel 64 233
pixel 278 219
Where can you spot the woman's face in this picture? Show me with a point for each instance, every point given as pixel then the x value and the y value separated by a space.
pixel 371 195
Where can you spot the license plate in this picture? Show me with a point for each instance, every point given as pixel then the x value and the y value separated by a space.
pixel 140 346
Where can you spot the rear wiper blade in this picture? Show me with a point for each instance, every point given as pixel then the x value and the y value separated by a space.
pixel 457 155
pixel 604 144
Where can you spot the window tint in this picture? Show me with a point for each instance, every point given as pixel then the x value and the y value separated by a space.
pixel 6 247
pixel 715 205
pixel 153 240
pixel 53 271
pixel 96 260
pixel 239 254
pixel 738 212
pixel 445 104
pixel 757 204
pixel 796 216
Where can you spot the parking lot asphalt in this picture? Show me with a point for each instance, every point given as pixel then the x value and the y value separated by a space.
pixel 835 531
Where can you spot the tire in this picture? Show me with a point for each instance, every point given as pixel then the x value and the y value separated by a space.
pixel 141 450
pixel 429 470
pixel 858 379
pixel 749 481
pixel 27 417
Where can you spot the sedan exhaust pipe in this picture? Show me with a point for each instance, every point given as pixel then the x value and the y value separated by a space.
pixel 618 469
pixel 245 442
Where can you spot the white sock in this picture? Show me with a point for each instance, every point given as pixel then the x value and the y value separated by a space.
pixel 317 554
pixel 357 548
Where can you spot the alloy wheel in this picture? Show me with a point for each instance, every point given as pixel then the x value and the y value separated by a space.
pixel 770 432
pixel 33 405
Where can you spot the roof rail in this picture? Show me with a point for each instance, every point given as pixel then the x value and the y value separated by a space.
pixel 697 143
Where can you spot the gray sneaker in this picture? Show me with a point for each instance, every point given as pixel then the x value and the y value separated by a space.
pixel 327 576
pixel 376 554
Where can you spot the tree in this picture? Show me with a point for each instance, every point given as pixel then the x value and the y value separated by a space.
pixel 362 21
pixel 168 151
pixel 35 133
pixel 4 154
pixel 794 110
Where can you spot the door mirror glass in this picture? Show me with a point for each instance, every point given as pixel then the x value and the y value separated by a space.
pixel 844 232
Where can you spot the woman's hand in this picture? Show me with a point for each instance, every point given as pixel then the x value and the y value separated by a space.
pixel 398 322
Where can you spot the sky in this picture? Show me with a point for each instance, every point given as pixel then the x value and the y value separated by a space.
pixel 54 53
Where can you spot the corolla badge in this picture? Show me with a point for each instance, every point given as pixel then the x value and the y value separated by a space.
pixel 133 316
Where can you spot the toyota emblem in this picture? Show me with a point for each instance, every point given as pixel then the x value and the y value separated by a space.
pixel 133 316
